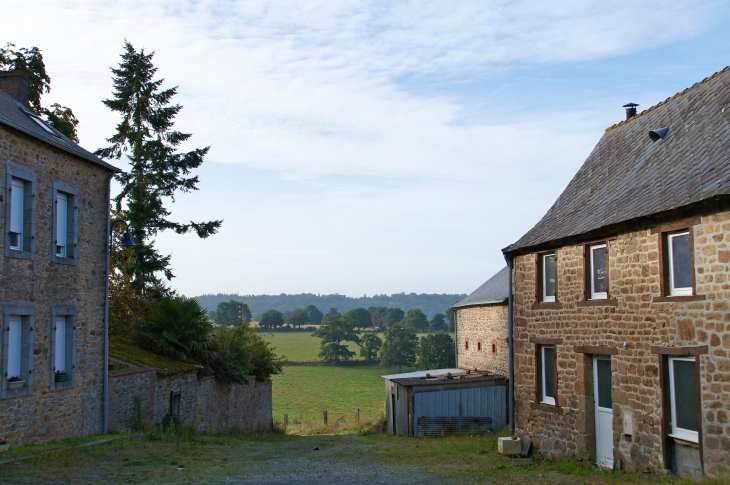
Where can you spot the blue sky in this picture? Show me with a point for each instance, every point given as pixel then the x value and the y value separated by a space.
pixel 365 147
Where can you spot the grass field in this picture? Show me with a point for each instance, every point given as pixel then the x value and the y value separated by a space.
pixel 304 391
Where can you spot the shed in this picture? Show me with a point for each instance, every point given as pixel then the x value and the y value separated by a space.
pixel 445 401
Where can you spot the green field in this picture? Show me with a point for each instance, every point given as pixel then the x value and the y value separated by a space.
pixel 304 391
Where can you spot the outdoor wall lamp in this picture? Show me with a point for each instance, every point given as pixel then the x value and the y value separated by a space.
pixel 127 241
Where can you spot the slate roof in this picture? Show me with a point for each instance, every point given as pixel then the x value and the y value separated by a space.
pixel 495 290
pixel 628 176
pixel 17 116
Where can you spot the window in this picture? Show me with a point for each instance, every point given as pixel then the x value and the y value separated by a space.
pixel 17 197
pixel 63 247
pixel 466 344
pixel 20 214
pixel 494 347
pixel 63 346
pixel 679 264
pixel 597 272
pixel 479 345
pixel 18 339
pixel 548 277
pixel 547 377
pixel 683 398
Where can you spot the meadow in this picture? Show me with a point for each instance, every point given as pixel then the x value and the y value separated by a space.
pixel 307 388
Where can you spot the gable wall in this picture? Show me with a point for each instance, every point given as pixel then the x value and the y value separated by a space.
pixel 486 322
pixel 634 282
pixel 47 415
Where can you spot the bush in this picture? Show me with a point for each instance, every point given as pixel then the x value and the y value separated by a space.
pixel 243 352
pixel 177 328
pixel 436 351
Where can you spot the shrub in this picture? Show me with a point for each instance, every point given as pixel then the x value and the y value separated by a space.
pixel 243 352
pixel 177 328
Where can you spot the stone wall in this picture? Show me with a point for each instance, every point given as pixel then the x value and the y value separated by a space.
pixel 485 324
pixel 47 414
pixel 635 317
pixel 207 404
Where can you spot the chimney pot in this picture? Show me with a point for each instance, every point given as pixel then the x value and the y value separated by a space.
pixel 15 83
pixel 630 110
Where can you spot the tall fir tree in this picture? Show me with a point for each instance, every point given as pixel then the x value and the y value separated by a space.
pixel 158 172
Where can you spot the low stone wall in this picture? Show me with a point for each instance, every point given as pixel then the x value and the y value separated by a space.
pixel 206 404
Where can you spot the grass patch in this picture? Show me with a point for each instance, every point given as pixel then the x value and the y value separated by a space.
pixel 14 451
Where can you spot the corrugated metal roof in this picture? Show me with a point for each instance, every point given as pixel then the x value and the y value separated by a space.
pixel 628 176
pixel 495 290
pixel 421 374
pixel 17 116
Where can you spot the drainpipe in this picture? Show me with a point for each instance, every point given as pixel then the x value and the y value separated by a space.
pixel 456 338
pixel 510 343
pixel 105 425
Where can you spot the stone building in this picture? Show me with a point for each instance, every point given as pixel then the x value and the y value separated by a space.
pixel 481 326
pixel 54 216
pixel 621 296
pixel 146 387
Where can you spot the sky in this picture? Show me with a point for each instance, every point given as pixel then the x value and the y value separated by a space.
pixel 362 147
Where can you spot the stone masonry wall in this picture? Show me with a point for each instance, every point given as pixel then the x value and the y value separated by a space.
pixel 487 323
pixel 634 269
pixel 207 404
pixel 44 414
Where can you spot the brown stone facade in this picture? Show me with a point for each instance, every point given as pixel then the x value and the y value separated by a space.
pixel 44 410
pixel 484 327
pixel 206 404
pixel 636 324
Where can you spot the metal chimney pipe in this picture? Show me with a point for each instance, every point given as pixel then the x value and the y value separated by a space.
pixel 630 110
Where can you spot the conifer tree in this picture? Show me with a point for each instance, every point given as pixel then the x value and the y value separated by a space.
pixel 157 173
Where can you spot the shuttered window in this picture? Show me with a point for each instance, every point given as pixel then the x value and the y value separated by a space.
pixel 61 223
pixel 60 344
pixel 15 347
pixel 17 206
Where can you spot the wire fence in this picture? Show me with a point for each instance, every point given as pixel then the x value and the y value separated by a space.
pixel 326 419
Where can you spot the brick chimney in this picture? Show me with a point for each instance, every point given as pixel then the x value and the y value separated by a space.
pixel 15 83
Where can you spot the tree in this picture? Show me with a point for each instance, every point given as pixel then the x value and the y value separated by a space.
pixel 450 316
pixel 417 319
pixel 438 323
pixel 271 319
pixel 158 172
pixel 331 312
pixel 362 317
pixel 30 61
pixel 399 346
pixel 177 328
pixel 299 317
pixel 315 316
pixel 370 344
pixel 436 351
pixel 335 330
pixel 384 317
pixel 232 312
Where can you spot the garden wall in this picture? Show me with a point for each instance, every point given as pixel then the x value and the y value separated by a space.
pixel 206 404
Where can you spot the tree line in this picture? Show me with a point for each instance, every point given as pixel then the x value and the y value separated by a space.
pixel 430 304
pixel 375 318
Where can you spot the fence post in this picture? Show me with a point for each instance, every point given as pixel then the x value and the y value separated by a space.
pixel 286 420
pixel 325 418
pixel 358 416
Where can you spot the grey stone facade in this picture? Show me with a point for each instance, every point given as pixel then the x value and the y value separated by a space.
pixel 45 411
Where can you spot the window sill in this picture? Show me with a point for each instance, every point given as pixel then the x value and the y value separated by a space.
pixel 590 303
pixel 14 253
pixel 670 299
pixel 64 260
pixel 686 441
pixel 547 305
pixel 538 406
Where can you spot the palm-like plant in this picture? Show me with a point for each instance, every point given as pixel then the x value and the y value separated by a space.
pixel 177 328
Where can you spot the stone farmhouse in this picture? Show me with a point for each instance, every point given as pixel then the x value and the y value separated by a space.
pixel 481 326
pixel 621 313
pixel 55 199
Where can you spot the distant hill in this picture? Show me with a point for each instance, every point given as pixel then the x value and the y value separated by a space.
pixel 430 304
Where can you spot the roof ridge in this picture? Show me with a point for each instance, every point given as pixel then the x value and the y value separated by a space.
pixel 681 93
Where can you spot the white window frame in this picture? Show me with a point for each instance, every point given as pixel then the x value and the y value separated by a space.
pixel 71 251
pixel 545 297
pixel 16 186
pixel 603 295
pixel 543 398
pixel 677 432
pixel 67 311
pixel 685 291
pixel 28 242
pixel 61 224
pixel 12 310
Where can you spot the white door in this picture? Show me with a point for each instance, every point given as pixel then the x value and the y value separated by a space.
pixel 604 411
